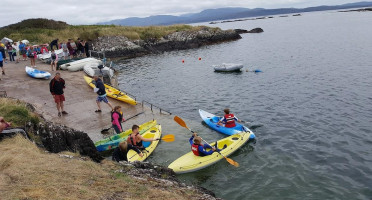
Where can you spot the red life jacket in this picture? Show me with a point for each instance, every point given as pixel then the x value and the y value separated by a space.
pixel 230 121
pixel 195 149
pixel 132 139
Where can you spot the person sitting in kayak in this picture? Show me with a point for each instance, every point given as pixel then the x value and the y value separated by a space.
pixel 228 119
pixel 199 149
pixel 120 153
pixel 136 139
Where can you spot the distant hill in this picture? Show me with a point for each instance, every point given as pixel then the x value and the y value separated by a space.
pixel 37 23
pixel 223 14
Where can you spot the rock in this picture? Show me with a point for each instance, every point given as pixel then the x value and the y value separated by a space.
pixel 240 31
pixel 57 138
pixel 256 30
pixel 120 46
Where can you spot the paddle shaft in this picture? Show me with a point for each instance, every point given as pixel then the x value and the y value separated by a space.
pixel 106 129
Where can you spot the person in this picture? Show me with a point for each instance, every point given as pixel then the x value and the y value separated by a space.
pixel 31 53
pixel 56 86
pixel 228 119
pixel 116 119
pixel 2 50
pixel 16 52
pixel 101 94
pixel 80 47
pixel 65 50
pixel 86 49
pixel 1 64
pixel 71 48
pixel 120 153
pixel 6 130
pixel 54 60
pixel 22 49
pixel 54 43
pixel 136 139
pixel 9 47
pixel 198 148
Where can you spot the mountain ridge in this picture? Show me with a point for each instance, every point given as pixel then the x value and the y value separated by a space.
pixel 224 14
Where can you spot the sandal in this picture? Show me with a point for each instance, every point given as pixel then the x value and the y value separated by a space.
pixel 64 112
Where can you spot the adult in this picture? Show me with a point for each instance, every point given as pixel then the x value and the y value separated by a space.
pixel 65 50
pixel 54 60
pixel 120 153
pixel 198 148
pixel 80 47
pixel 136 139
pixel 31 54
pixel 71 48
pixel 54 43
pixel 22 49
pixel 56 86
pixel 1 64
pixel 116 119
pixel 101 94
pixel 228 119
pixel 87 48
pixel 2 50
pixel 9 48
pixel 16 52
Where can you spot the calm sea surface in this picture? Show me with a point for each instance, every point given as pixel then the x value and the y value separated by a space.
pixel 314 100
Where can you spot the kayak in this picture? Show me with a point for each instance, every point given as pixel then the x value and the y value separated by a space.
pixel 49 54
pixel 211 120
pixel 35 73
pixel 190 162
pixel 154 132
pixel 113 141
pixel 113 92
pixel 227 67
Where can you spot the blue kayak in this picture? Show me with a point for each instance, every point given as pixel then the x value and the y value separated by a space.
pixel 211 120
pixel 35 73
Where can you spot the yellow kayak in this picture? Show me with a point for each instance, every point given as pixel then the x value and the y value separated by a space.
pixel 189 162
pixel 154 132
pixel 113 92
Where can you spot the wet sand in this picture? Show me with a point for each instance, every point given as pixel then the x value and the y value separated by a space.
pixel 80 99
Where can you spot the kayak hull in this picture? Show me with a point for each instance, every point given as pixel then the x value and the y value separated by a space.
pixel 154 132
pixel 190 163
pixel 35 73
pixel 211 120
pixel 113 92
pixel 113 141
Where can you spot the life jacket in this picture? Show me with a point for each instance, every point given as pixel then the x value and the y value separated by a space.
pixel 120 116
pixel 54 56
pixel 230 121
pixel 195 149
pixel 132 139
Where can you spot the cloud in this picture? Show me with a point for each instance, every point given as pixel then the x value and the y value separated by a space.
pixel 94 11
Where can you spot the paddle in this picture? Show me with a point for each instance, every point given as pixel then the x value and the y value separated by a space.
pixel 106 129
pixel 168 138
pixel 255 70
pixel 183 124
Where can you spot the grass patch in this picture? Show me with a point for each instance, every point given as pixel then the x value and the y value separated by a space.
pixel 27 172
pixel 17 112
pixel 34 31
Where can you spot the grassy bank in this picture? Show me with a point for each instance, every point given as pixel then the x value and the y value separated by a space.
pixel 17 112
pixel 39 31
pixel 27 172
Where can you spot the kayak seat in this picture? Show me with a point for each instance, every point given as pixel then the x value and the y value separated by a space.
pixel 235 138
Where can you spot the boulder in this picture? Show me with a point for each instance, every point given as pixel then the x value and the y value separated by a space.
pixel 256 30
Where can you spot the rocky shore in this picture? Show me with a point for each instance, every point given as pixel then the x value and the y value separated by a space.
pixel 121 46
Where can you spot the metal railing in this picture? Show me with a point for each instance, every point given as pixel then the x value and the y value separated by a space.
pixel 152 105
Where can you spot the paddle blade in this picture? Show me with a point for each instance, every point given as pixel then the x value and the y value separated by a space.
pixel 168 138
pixel 232 162
pixel 180 121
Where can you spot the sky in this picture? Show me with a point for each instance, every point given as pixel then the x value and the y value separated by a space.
pixel 78 12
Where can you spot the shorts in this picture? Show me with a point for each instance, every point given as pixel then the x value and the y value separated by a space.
pixel 59 98
pixel 1 63
pixel 52 61
pixel 102 98
pixel 65 53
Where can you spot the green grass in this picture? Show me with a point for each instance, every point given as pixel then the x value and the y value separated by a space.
pixel 34 31
pixel 16 112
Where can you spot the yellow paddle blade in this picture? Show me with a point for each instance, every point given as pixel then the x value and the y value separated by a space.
pixel 180 122
pixel 168 138
pixel 232 162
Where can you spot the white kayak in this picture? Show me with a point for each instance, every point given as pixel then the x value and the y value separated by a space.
pixel 92 69
pixel 49 54
pixel 227 67
pixel 35 73
pixel 79 64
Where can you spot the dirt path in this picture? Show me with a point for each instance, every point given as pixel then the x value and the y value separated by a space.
pixel 80 98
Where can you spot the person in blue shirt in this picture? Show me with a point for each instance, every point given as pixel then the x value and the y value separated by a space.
pixel 1 64
pixel 22 50
pixel 199 149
